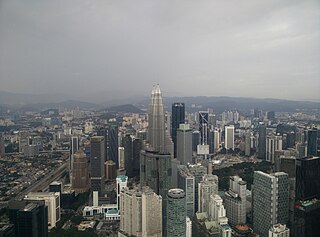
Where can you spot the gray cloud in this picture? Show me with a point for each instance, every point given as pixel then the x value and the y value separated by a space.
pixel 264 48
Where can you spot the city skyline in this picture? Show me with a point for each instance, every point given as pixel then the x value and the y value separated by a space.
pixel 266 49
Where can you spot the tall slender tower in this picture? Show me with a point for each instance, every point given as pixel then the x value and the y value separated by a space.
pixel 156 127
pixel 155 162
pixel 178 117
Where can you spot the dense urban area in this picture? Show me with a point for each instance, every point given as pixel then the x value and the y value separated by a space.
pixel 160 169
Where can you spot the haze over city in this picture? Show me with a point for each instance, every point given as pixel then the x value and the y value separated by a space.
pixel 91 49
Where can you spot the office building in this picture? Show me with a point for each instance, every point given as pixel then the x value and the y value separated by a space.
pixel 52 201
pixel 307 178
pixel 176 213
pixel 235 201
pixel 110 170
pixel 6 230
pixel 262 142
pixel 186 182
pixel 184 144
pixel 203 127
pixel 80 174
pixel 113 144
pixel 2 146
pixel 140 213
pixel 198 171
pixel 188 227
pixel 195 140
pixel 312 137
pixel 29 218
pixel 155 162
pixel 97 160
pixel 270 201
pixel 279 230
pixel 207 187
pixel 217 213
pixel 178 117
pixel 306 218
pixel 74 147
pixel 156 126
pixel 132 148
pixel 121 158
pixel 273 144
pixel 216 140
pixel 229 137
pixel 122 183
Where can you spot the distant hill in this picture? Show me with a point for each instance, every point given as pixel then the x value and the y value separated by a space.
pixel 126 108
pixel 221 103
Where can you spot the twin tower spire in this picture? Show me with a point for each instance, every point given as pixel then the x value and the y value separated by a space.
pixel 156 128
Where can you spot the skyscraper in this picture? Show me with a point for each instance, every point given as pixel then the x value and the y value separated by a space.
pixel 176 211
pixel 203 127
pixel 97 160
pixel 113 143
pixel 195 140
pixel 187 183
pixel 155 162
pixel 307 178
pixel 184 144
pixel 229 137
pixel 312 142
pixel 262 142
pixel 80 177
pixel 270 201
pixel 29 218
pixel 273 144
pixel 178 117
pixel 235 201
pixel 207 187
pixel 156 127
pixel 132 148
pixel 73 149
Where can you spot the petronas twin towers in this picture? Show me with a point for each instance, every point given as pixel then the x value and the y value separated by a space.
pixel 156 128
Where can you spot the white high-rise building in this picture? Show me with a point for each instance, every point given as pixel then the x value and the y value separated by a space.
pixel 279 230
pixel 229 137
pixel 121 157
pixel 216 140
pixel 141 213
pixel 207 187
pixel 52 201
pixel 235 201
pixel 273 143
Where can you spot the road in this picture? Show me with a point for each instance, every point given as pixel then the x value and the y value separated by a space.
pixel 44 182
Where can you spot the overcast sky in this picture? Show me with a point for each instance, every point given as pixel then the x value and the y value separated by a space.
pixel 265 48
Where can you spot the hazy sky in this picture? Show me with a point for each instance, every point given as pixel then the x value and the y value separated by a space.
pixel 265 48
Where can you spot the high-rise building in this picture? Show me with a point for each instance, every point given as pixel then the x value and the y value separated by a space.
pixel 52 201
pixel 97 160
pixel 141 213
pixel 155 162
pixel 198 171
pixel 279 230
pixel 235 201
pixel 184 144
pixel 203 127
pixel 312 142
pixel 262 142
pixel 122 182
pixel 270 201
pixel 132 148
pixel 187 183
pixel 307 178
pixel 216 140
pixel 73 149
pixel 229 137
pixel 273 144
pixel 80 174
pixel 195 140
pixel 121 158
pixel 176 213
pixel 247 150
pixel 178 117
pixel 6 230
pixel 156 127
pixel 110 170
pixel 113 144
pixel 207 187
pixel 306 218
pixel 29 218
pixel 2 147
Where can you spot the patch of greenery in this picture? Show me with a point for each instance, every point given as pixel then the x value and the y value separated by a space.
pixel 244 170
